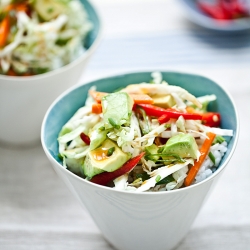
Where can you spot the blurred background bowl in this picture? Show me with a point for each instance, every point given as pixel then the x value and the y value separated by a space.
pixel 194 14
pixel 24 100
pixel 131 220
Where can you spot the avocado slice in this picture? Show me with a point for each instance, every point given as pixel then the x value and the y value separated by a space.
pixel 99 160
pixel 117 109
pixel 151 152
pixel 183 145
pixel 166 101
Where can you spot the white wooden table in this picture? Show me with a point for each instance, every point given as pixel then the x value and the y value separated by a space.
pixel 36 209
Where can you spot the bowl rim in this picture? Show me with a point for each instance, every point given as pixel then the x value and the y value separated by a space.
pixel 87 53
pixel 124 74
pixel 203 20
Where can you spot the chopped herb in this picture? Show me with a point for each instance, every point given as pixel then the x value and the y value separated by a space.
pixel 144 176
pixel 113 123
pixel 60 156
pixel 218 139
pixel 211 156
pixel 171 157
pixel 166 180
pixel 167 125
pixel 61 42
pixel 157 178
pixel 110 151
pixel 50 10
pixel 102 128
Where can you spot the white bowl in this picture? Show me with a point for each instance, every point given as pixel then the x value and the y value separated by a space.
pixel 130 220
pixel 24 100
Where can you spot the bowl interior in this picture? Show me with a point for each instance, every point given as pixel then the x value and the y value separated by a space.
pixel 198 17
pixel 69 102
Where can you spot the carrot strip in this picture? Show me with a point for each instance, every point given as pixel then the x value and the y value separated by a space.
pixel 138 99
pixel 4 31
pixel 97 95
pixel 204 151
pixel 96 108
pixel 142 99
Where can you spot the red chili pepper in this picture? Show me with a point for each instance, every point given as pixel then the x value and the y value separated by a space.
pixel 163 119
pixel 85 138
pixel 211 119
pixel 152 110
pixel 213 11
pixel 105 177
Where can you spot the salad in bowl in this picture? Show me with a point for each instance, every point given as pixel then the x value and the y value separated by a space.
pixel 149 136
pixel 39 36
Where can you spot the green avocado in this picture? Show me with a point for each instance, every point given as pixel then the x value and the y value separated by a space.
pixel 166 101
pixel 103 159
pixel 183 145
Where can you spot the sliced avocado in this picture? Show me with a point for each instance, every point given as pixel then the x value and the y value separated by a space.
pixel 166 101
pixel 97 136
pixel 100 160
pixel 183 145
pixel 117 109
pixel 151 151
pixel 50 9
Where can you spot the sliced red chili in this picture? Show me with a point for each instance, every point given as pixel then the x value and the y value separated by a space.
pixel 105 177
pixel 152 110
pixel 211 119
pixel 85 138
pixel 163 119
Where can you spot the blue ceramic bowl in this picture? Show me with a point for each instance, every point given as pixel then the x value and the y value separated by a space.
pixel 70 101
pixel 195 15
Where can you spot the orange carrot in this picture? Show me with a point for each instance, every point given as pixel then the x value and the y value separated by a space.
pixel 138 99
pixel 5 24
pixel 4 31
pixel 97 95
pixel 142 99
pixel 96 108
pixel 190 110
pixel 204 151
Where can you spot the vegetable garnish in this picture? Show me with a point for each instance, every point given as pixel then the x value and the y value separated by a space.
pixel 170 144
pixel 204 151
pixel 171 113
pixel 106 177
pixel 85 138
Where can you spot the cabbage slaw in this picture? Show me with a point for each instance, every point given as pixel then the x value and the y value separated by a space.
pixel 151 173
pixel 35 45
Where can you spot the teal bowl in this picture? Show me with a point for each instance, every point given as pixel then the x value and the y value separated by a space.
pixel 116 212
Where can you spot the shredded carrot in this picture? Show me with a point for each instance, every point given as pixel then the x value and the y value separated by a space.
pixel 4 31
pixel 97 95
pixel 190 110
pixel 5 25
pixel 96 108
pixel 142 99
pixel 138 99
pixel 204 151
